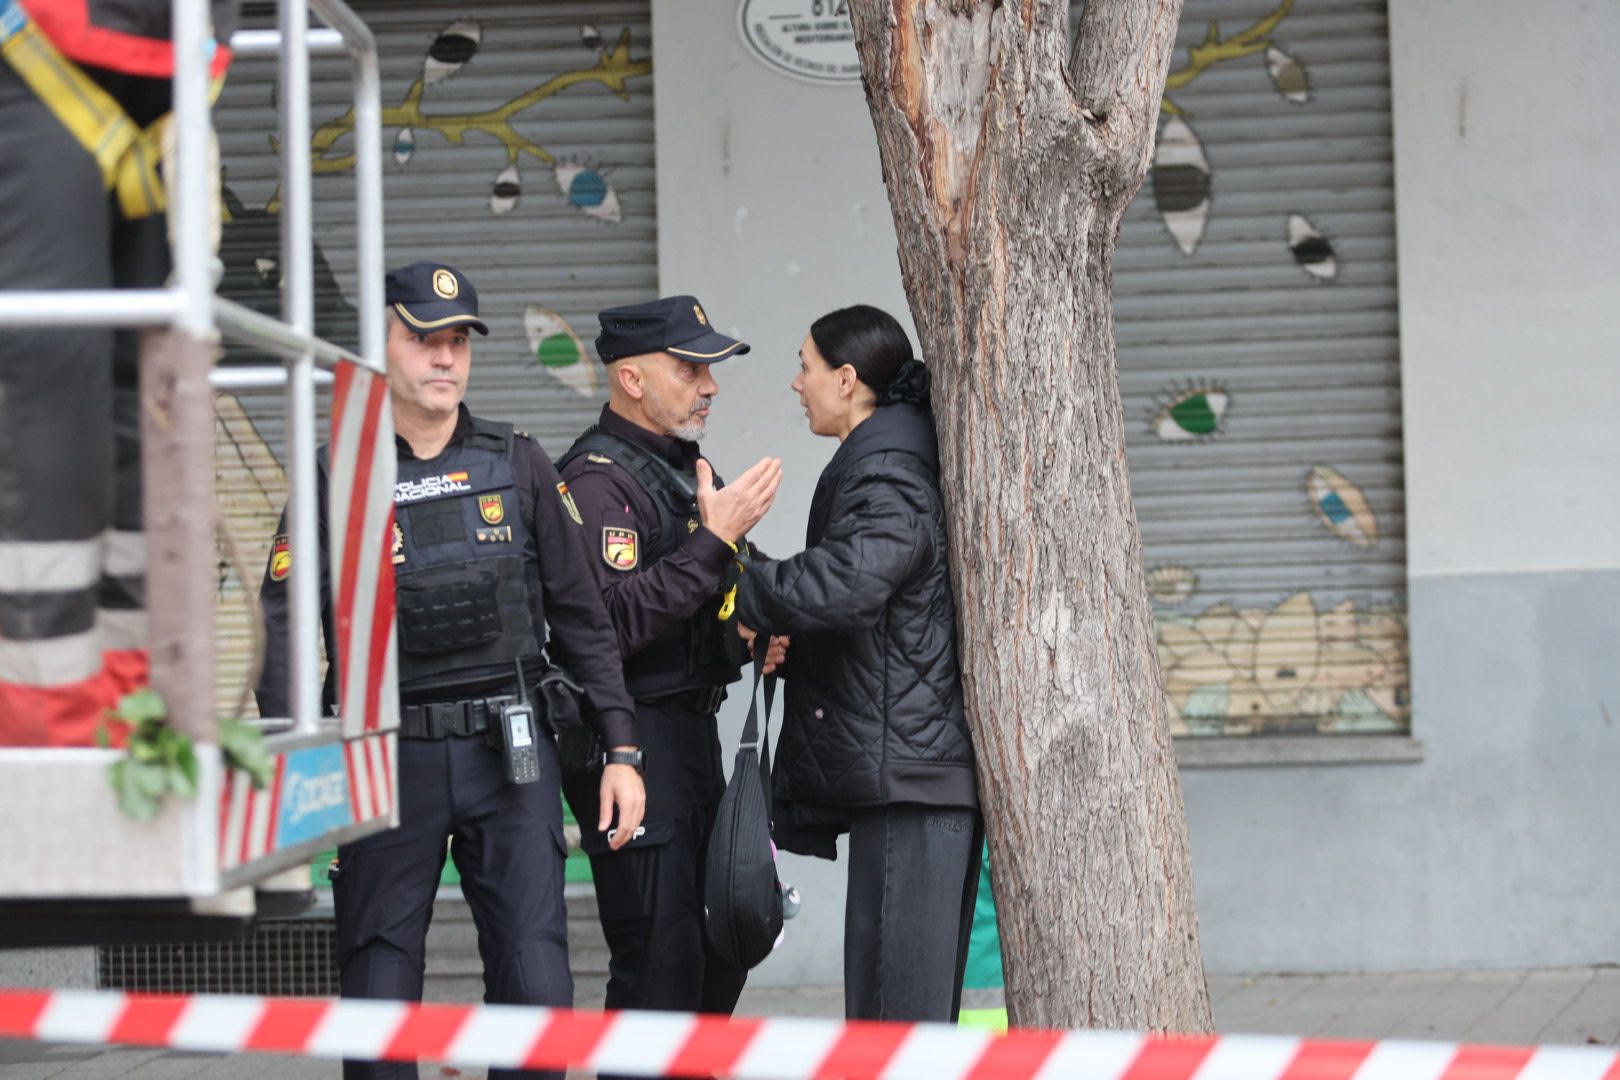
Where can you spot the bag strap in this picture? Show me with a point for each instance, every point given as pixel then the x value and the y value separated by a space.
pixel 751 727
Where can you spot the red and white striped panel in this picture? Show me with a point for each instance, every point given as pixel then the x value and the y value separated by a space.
pixel 681 1044
pixel 372 778
pixel 248 816
pixel 361 523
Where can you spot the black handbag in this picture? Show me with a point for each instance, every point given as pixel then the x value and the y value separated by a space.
pixel 741 891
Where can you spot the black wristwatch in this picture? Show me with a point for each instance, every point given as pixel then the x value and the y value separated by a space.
pixel 636 759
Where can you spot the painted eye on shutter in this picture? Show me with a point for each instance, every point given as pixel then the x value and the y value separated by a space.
pixel 1195 412
pixel 504 193
pixel 1312 251
pixel 1341 506
pixel 1181 184
pixel 451 49
pixel 558 349
pixel 588 191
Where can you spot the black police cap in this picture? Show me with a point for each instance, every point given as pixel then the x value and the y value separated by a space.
pixel 429 296
pixel 672 324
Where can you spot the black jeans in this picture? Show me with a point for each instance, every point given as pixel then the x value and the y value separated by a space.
pixel 508 845
pixel 913 878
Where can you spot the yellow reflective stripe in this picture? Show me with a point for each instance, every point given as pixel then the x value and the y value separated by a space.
pixel 140 186
pixel 88 112
pixel 128 157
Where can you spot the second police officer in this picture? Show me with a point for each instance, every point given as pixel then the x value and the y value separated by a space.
pixel 663 542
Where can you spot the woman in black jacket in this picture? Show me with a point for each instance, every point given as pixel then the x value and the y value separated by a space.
pixel 874 741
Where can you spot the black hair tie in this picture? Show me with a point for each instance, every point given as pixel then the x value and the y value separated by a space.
pixel 908 387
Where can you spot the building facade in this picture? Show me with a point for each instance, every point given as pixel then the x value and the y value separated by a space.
pixel 1367 352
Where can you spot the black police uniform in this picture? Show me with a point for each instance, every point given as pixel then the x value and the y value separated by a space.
pixel 663 578
pixel 482 528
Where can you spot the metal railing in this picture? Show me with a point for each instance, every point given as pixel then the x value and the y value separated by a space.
pixel 189 303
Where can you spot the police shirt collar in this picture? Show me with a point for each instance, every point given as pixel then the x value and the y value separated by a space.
pixel 463 426
pixel 682 453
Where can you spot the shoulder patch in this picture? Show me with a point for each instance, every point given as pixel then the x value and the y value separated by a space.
pixel 280 558
pixel 569 504
pixel 621 548
pixel 600 459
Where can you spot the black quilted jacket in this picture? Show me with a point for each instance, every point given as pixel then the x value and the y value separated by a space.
pixel 874 695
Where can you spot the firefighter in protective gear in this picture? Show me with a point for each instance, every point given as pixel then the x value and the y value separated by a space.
pixel 84 92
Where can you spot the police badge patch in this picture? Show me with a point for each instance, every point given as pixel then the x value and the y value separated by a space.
pixel 398 550
pixel 620 548
pixel 281 558
pixel 491 508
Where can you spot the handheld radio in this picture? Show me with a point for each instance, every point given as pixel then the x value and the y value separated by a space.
pixel 518 737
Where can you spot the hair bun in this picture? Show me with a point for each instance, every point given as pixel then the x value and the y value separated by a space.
pixel 908 387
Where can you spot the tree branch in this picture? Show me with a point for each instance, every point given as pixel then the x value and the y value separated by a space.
pixel 1214 48
pixel 1121 49
pixel 613 71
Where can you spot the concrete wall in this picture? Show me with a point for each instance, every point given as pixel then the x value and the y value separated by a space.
pixel 1498 846
pixel 771 209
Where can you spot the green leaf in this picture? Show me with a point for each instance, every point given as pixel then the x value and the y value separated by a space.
pixel 153 779
pixel 142 706
pixel 134 802
pixel 183 774
pixel 243 747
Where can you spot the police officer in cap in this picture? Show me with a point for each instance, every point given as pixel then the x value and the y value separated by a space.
pixel 484 526
pixel 665 542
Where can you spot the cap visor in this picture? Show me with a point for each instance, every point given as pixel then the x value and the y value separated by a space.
pixel 707 348
pixel 438 315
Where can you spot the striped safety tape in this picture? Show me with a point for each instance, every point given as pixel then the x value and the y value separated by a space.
pixel 363 461
pixel 683 1044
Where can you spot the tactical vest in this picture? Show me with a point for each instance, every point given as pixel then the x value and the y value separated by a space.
pixel 706 654
pixel 466 570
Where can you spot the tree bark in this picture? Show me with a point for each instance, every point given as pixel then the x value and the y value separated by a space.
pixel 1009 163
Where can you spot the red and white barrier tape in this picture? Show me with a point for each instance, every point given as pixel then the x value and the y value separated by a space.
pixel 682 1044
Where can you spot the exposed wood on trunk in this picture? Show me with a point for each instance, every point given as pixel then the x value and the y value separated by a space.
pixel 1008 174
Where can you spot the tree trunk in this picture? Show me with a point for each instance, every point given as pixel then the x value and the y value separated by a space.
pixel 1009 165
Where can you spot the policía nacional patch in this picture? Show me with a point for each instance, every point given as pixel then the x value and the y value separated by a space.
pixel 621 548
pixel 491 509
pixel 397 551
pixel 280 558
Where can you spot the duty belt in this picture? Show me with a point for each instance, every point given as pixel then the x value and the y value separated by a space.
pixel 441 719
pixel 705 699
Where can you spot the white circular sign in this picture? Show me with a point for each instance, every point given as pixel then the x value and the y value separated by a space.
pixel 810 39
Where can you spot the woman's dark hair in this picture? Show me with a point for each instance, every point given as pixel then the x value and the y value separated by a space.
pixel 872 342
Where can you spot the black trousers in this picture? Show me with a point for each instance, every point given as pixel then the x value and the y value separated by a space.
pixel 70 512
pixel 650 893
pixel 913 878
pixel 506 841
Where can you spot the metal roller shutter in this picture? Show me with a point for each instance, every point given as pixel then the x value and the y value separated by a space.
pixel 522 165
pixel 1256 307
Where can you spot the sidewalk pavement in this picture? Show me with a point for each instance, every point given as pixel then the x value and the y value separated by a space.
pixel 1559 1005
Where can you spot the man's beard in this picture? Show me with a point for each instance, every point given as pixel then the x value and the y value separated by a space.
pixel 694 427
